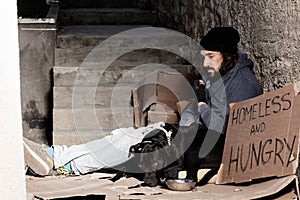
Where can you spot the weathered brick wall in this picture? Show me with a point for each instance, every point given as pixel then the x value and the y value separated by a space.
pixel 270 31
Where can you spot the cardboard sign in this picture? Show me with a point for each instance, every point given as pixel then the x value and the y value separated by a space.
pixel 262 138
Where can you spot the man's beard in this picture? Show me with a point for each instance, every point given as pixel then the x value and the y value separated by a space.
pixel 212 76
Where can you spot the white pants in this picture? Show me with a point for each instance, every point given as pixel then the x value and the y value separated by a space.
pixel 109 151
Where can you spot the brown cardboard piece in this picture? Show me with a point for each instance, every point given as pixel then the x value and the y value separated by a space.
pixel 262 137
pixel 160 87
pixel 162 112
pixel 167 117
pixel 96 184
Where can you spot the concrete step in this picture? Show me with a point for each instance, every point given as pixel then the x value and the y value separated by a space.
pixel 76 56
pixel 91 119
pixel 76 42
pixel 97 16
pixel 69 138
pixel 66 76
pixel 98 4
pixel 89 97
pixel 135 36
pixel 78 36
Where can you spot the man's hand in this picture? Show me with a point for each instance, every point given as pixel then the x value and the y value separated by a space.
pixel 188 124
pixel 200 103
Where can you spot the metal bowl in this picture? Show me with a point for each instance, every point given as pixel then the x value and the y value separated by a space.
pixel 180 184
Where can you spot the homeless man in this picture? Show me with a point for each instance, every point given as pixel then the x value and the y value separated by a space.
pixel 228 78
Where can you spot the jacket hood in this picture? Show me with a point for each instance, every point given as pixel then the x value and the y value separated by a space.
pixel 244 61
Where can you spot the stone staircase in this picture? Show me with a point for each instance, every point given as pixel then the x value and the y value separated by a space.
pixel 83 117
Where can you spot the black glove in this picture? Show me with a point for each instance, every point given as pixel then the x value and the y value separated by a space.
pixel 199 90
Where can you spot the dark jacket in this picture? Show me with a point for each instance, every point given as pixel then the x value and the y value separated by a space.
pixel 236 85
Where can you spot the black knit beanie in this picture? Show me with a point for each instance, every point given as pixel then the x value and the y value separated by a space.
pixel 223 39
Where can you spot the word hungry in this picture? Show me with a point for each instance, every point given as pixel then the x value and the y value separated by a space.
pixel 275 151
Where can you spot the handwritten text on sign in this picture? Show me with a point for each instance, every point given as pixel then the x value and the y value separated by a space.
pixel 261 139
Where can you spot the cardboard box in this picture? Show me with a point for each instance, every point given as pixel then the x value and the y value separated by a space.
pixel 157 116
pixel 162 112
pixel 161 88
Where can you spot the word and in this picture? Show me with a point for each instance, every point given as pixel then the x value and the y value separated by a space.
pixel 268 107
pixel 273 151
pixel 258 128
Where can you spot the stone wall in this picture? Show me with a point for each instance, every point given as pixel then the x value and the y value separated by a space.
pixel 270 31
pixel 36 45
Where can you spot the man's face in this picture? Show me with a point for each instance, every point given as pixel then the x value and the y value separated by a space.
pixel 212 62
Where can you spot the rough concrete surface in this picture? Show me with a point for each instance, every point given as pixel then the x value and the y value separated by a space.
pixel 270 31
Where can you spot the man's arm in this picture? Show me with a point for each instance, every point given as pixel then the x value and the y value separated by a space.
pixel 190 114
pixel 205 113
